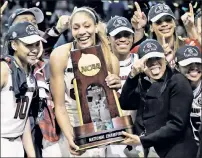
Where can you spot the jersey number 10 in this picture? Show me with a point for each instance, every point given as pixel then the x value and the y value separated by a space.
pixel 22 105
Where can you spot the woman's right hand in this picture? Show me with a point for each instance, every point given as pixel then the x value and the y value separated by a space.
pixel 139 66
pixel 73 148
pixel 3 7
pixel 139 19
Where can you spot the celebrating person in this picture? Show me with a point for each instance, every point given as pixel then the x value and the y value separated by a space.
pixel 83 24
pixel 35 16
pixel 189 64
pixel 163 106
pixel 17 88
pixel 121 37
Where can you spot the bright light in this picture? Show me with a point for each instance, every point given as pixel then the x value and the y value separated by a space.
pixel 195 5
pixel 48 13
pixel 37 4
pixel 176 4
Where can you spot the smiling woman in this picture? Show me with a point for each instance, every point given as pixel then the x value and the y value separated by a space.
pixel 84 26
pixel 163 101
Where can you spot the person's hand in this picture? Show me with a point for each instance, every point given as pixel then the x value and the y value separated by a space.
pixel 73 148
pixel 3 7
pixel 167 50
pixel 139 66
pixel 139 19
pixel 188 17
pixel 130 139
pixel 113 81
pixel 63 23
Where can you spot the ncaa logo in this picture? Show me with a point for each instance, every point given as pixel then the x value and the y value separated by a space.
pixel 190 52
pixel 149 47
pixel 30 30
pixel 119 22
pixel 161 8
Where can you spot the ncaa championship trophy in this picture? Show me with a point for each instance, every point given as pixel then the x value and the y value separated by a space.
pixel 100 115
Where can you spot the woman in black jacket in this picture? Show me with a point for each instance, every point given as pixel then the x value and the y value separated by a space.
pixel 163 100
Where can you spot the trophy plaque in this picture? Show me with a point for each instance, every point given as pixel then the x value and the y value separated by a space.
pixel 100 115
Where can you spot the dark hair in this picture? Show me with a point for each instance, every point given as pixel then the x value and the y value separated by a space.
pixel 11 51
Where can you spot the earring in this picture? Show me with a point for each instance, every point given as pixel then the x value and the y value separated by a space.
pixel 96 30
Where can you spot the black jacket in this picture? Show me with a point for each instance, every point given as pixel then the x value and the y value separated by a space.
pixel 163 113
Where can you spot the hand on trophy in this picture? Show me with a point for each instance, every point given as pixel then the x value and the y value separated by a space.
pixel 131 139
pixel 73 148
pixel 113 81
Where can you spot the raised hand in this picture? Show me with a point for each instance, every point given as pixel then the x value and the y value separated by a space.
pixel 139 66
pixel 188 17
pixel 63 23
pixel 3 7
pixel 139 19
pixel 167 50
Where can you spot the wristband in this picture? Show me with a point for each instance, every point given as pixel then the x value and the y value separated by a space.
pixel 55 30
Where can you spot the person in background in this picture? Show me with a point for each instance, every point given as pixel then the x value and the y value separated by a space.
pixel 36 16
pixel 163 106
pixel 121 37
pixel 162 27
pixel 114 8
pixel 192 25
pixel 189 63
pixel 83 24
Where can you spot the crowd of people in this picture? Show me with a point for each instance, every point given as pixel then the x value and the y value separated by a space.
pixel 155 70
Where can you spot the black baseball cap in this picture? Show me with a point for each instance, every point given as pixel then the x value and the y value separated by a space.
pixel 159 10
pixel 118 24
pixel 38 14
pixel 25 32
pixel 187 55
pixel 150 48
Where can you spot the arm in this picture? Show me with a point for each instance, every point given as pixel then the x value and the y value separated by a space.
pixel 130 99
pixel 4 74
pixel 188 21
pixel 138 21
pixel 27 140
pixel 52 35
pixel 115 65
pixel 58 63
pixel 178 114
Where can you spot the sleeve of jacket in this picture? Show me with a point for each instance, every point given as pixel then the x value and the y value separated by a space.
pixel 51 41
pixel 181 97
pixel 129 99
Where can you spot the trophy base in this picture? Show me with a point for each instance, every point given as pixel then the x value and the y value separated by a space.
pixel 87 138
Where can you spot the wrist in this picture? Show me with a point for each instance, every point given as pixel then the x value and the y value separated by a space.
pixel 57 30
pixel 132 74
pixel 140 29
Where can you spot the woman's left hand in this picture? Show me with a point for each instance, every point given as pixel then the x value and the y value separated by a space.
pixel 113 81
pixel 131 139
